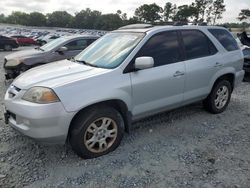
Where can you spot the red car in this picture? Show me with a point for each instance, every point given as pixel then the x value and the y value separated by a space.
pixel 23 40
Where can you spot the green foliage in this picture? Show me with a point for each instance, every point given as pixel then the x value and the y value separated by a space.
pixel 148 13
pixel 244 14
pixel 109 22
pixel 201 7
pixel 36 19
pixel 59 19
pixel 2 18
pixel 185 13
pixel 87 19
pixel 169 11
pixel 17 17
pixel 198 11
pixel 218 8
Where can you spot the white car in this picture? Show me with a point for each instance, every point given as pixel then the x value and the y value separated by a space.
pixel 125 75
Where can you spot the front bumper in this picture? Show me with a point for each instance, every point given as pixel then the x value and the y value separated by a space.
pixel 47 123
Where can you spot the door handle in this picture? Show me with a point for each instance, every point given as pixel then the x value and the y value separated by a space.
pixel 178 73
pixel 217 64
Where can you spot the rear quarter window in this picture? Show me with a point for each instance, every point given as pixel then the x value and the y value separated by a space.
pixel 225 38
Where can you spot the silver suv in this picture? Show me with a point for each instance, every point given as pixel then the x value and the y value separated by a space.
pixel 125 75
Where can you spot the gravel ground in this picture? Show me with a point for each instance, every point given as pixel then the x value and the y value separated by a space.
pixel 187 147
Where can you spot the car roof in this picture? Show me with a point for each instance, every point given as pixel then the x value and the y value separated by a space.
pixel 167 27
pixel 80 36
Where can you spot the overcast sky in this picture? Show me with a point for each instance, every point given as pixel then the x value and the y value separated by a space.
pixel 233 7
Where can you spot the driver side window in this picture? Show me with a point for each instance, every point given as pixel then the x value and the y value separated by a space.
pixel 163 47
pixel 77 45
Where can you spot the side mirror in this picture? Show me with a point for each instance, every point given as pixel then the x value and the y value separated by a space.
pixel 144 63
pixel 62 49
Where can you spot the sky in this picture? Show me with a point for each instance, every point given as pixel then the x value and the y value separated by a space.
pixel 233 7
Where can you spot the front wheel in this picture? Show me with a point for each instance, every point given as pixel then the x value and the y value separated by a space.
pixel 219 98
pixel 96 131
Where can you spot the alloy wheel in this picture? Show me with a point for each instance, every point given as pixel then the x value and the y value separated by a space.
pixel 221 98
pixel 100 135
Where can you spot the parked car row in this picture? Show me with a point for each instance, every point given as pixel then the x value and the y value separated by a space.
pixel 138 70
pixel 58 49
pixel 7 43
pixel 40 37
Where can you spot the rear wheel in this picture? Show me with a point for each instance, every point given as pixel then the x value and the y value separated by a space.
pixel 7 47
pixel 219 98
pixel 96 131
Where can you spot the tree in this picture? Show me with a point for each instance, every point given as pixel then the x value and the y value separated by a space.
pixel 59 19
pixel 123 16
pixel 148 13
pixel 217 10
pixel 87 19
pixel 244 14
pixel 201 6
pixel 18 17
pixel 2 18
pixel 169 11
pixel 109 22
pixel 37 19
pixel 184 13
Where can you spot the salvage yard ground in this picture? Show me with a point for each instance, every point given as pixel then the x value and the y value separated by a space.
pixel 187 147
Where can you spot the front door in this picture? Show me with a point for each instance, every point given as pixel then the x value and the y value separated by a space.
pixel 162 86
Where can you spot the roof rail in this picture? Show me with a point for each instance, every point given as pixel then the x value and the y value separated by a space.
pixel 136 26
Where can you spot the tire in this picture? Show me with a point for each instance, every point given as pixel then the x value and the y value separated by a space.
pixel 219 98
pixel 88 131
pixel 8 47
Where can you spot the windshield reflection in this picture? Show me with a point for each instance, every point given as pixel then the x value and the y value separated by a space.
pixel 110 50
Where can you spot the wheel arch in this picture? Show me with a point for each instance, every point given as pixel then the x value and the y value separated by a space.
pixel 228 76
pixel 117 104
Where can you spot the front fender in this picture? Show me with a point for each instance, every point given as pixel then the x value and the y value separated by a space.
pixel 82 93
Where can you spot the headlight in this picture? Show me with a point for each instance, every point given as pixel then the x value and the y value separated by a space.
pixel 41 95
pixel 12 63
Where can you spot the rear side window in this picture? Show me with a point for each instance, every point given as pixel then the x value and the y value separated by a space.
pixel 197 44
pixel 224 37
pixel 163 47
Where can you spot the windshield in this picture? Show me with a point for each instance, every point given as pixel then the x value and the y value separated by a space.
pixel 54 43
pixel 110 50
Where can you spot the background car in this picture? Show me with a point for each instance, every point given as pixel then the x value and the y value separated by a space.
pixel 58 49
pixel 45 39
pixel 7 43
pixel 23 40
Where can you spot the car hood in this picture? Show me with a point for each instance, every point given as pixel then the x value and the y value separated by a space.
pixel 23 54
pixel 56 74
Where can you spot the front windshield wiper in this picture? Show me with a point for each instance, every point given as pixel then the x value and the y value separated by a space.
pixel 84 62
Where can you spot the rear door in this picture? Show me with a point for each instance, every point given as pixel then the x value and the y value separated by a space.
pixel 201 64
pixel 160 87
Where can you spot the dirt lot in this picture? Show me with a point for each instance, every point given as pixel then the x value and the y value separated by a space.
pixel 187 147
